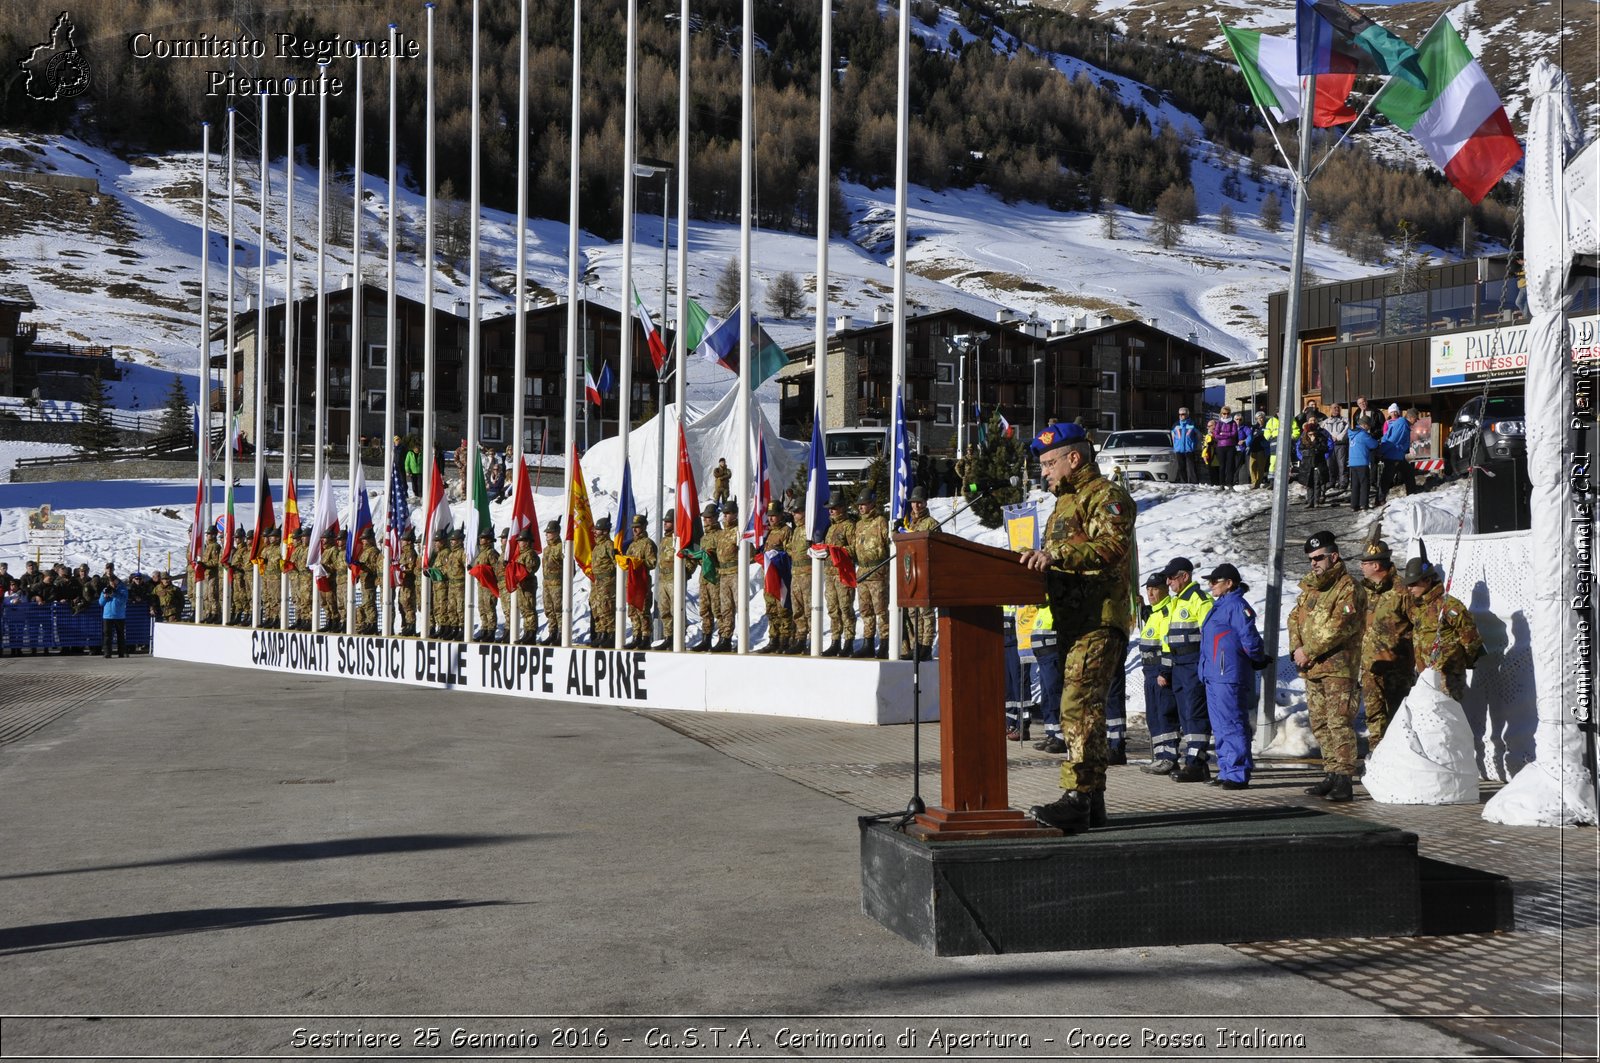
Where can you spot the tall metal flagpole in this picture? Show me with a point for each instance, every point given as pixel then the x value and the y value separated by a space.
pixel 897 370
pixel 429 343
pixel 819 406
pixel 227 372
pixel 1288 386
pixel 519 389
pixel 680 339
pixel 291 356
pixel 202 442
pixel 319 390
pixel 572 392
pixel 263 353
pixel 747 136
pixel 630 106
pixel 474 361
pixel 358 311
pixel 391 353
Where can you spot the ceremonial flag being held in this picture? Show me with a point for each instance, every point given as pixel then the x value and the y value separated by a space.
pixel 776 581
pixel 484 574
pixel 523 518
pixel 688 498
pixel 360 521
pixel 398 517
pixel 817 517
pixel 843 563
pixel 264 516
pixel 622 529
pixel 437 516
pixel 227 527
pixel 1458 118
pixel 658 349
pixel 478 519
pixel 1270 66
pixel 580 519
pixel 197 535
pixel 756 529
pixel 900 481
pixel 291 507
pixel 1335 38
pixel 323 520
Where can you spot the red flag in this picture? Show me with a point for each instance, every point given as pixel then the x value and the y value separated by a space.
pixel 842 562
pixel 291 508
pixel 1333 97
pixel 197 538
pixel 658 348
pixel 438 515
pixel 484 574
pixel 523 518
pixel 688 497
pixel 636 582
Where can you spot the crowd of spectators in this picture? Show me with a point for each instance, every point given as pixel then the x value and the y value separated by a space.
pixel 45 608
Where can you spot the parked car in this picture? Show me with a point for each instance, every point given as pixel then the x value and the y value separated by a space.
pixel 1141 454
pixel 1498 420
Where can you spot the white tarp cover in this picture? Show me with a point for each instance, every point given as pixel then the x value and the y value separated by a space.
pixel 1426 756
pixel 1556 788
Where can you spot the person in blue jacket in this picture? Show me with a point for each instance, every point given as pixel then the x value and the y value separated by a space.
pixel 1394 449
pixel 1186 448
pixel 114 616
pixel 1363 462
pixel 1230 653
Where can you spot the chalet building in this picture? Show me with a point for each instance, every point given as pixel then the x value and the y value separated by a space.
pixel 54 370
pixel 15 300
pixel 1117 374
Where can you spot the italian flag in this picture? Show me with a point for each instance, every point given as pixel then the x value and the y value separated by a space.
pixel 1270 66
pixel 1458 119
pixel 658 348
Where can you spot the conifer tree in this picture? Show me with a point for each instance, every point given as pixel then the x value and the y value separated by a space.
pixel 96 433
pixel 1000 460
pixel 176 418
pixel 1271 213
pixel 727 291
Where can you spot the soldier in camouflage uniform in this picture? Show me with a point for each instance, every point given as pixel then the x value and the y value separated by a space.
pixel 241 572
pixel 433 573
pixel 271 565
pixel 840 600
pixel 488 558
pixel 643 550
pixel 603 588
pixel 780 618
pixel 369 563
pixel 333 598
pixel 453 565
pixel 725 544
pixel 294 560
pixel 1386 655
pixel 169 598
pixel 721 478
pixel 666 568
pixel 527 590
pixel 923 619
pixel 550 567
pixel 800 580
pixel 409 567
pixel 1087 561
pixel 871 547
pixel 1443 632
pixel 708 587
pixel 1325 643
pixel 208 607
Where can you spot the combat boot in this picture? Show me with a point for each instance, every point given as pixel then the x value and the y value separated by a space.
pixel 831 649
pixel 864 650
pixel 1340 790
pixel 1322 788
pixel 1194 771
pixel 1117 757
pixel 702 646
pixel 1097 809
pixel 1070 813
pixel 724 645
pixel 883 650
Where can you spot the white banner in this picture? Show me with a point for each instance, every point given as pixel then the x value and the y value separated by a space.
pixel 1466 357
pixel 847 691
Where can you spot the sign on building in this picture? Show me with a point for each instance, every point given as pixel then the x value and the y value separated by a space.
pixel 1482 354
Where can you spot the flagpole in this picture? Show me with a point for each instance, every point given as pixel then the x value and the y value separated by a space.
pixel 630 106
pixel 202 442
pixel 291 357
pixel 1288 386
pixel 320 388
pixel 573 392
pixel 357 313
pixel 469 614
pixel 898 356
pixel 819 377
pixel 227 372
pixel 519 387
pixel 680 339
pixel 429 350
pixel 390 356
pixel 747 134
pixel 263 351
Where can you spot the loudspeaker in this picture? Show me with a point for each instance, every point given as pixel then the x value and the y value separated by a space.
pixel 1501 501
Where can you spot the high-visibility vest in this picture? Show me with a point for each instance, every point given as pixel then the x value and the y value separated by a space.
pixel 1188 612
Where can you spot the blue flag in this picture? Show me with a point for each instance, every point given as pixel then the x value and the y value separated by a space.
pixel 361 516
pixel 817 518
pixel 622 534
pixel 900 489
pixel 399 515
pixel 605 383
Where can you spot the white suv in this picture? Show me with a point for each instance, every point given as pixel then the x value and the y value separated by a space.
pixel 1141 454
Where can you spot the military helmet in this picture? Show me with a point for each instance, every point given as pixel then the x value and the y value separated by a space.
pixel 1375 549
pixel 867 498
pixel 552 527
pixel 525 535
pixel 836 499
pixel 409 535
pixel 667 519
pixel 640 520
pixel 302 532
pixel 710 512
pixel 730 506
pixel 458 534
pixel 211 532
pixel 918 494
pixel 774 506
pixel 603 523
pixel 487 533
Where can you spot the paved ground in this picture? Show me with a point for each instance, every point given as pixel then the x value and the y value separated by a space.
pixel 199 841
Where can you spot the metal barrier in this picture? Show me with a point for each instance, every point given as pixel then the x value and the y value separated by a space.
pixel 58 626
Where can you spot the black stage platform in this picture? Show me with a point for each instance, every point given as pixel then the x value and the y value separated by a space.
pixel 1172 878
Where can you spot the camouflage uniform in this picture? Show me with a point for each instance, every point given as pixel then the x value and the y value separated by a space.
pixel 1326 623
pixel 1445 638
pixel 871 546
pixel 527 590
pixel 409 566
pixel 643 550
pixel 294 559
pixel 780 617
pixel 453 564
pixel 721 477
pixel 370 559
pixel 710 595
pixel 488 614
pixel 1386 655
pixel 209 606
pixel 169 600
pixel 333 597
pixel 666 569
pixel 603 589
pixel 923 619
pixel 271 566
pixel 1089 538
pixel 550 567
pixel 726 544
pixel 800 586
pixel 841 600
pixel 242 573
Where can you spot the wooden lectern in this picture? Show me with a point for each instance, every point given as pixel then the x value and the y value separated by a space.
pixel 970 583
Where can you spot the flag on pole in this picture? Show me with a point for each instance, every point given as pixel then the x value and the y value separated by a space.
pixel 436 515
pixel 1458 119
pixel 688 497
pixel 721 346
pixel 360 520
pixel 591 387
pixel 291 508
pixel 622 530
pixel 842 562
pixel 900 482
pixel 756 529
pixel 523 518
pixel 237 440
pixel 607 382
pixel 264 516
pixel 580 519
pixel 983 426
pixel 478 519
pixel 817 518
pixel 197 536
pixel 1006 431
pixel 323 521
pixel 776 580
pixel 227 527
pixel 695 325
pixel 1331 36
pixel 1270 66
pixel 658 349
pixel 398 517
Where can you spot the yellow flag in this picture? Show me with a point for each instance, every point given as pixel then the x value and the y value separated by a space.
pixel 580 521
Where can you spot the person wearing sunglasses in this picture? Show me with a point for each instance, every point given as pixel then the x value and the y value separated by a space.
pixel 1325 644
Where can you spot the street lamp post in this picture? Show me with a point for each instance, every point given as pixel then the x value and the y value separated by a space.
pixel 649 169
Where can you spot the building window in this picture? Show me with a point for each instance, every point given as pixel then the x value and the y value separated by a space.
pixel 937 328
pixel 490 427
pixel 1108 380
pixel 1108 420
pixel 944 414
pixel 377 356
pixel 375 400
pixel 491 384
pixel 944 372
pixel 533 387
pixel 277 418
pixel 533 435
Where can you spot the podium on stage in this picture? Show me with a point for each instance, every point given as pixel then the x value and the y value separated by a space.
pixel 969 582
